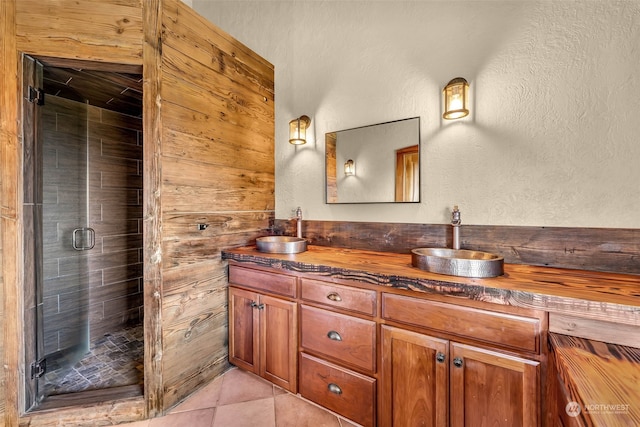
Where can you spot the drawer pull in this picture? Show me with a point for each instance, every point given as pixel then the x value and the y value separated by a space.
pixel 333 335
pixel 334 296
pixel 457 362
pixel 256 305
pixel 440 357
pixel 334 388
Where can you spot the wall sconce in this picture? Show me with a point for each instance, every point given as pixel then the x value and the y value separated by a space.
pixel 298 130
pixel 456 98
pixel 349 167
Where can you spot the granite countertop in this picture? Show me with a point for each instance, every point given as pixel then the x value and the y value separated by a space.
pixel 598 295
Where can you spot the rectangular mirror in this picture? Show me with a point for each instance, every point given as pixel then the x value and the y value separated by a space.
pixel 374 164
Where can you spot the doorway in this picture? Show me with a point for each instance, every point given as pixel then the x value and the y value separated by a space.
pixel 83 231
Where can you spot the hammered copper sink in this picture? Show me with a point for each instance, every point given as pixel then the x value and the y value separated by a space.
pixel 458 262
pixel 281 244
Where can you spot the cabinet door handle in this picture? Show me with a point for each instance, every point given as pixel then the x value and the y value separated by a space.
pixel 256 305
pixel 334 296
pixel 457 362
pixel 440 357
pixel 334 388
pixel 333 335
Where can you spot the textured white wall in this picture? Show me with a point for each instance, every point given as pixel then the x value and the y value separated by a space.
pixel 553 139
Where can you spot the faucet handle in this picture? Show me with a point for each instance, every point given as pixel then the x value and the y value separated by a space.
pixel 455 216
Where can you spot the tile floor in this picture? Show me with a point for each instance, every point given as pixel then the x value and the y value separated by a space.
pixel 114 360
pixel 241 399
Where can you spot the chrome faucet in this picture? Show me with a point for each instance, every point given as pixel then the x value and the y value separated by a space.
pixel 299 222
pixel 455 222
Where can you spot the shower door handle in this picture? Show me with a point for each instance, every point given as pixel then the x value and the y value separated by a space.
pixel 83 238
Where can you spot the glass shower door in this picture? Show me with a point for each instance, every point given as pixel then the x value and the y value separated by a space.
pixel 66 239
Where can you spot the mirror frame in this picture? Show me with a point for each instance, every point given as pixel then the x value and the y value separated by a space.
pixel 330 162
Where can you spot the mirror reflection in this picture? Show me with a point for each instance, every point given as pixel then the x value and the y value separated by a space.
pixel 374 164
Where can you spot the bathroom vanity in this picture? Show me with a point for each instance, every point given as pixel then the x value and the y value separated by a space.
pixel 380 342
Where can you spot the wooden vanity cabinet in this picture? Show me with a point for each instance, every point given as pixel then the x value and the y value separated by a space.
pixel 414 379
pixel 387 358
pixel 497 388
pixel 338 349
pixel 263 329
pixel 432 381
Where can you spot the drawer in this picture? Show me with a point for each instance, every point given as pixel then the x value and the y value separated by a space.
pixel 508 330
pixel 338 296
pixel 348 393
pixel 342 337
pixel 270 282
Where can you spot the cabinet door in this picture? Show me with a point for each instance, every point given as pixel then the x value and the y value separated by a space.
pixel 489 388
pixel 414 379
pixel 278 339
pixel 243 332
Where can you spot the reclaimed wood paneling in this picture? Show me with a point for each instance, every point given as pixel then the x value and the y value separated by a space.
pixel 108 404
pixel 152 195
pixel 599 249
pixel 218 98
pixel 214 116
pixel 91 30
pixel 10 156
pixel 210 45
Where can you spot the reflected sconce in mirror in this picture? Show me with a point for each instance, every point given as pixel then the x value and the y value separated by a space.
pixel 456 99
pixel 298 130
pixel 349 168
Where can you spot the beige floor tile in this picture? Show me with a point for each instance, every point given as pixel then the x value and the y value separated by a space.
pixel 256 413
pixel 347 423
pixel 291 411
pixel 198 418
pixel 240 386
pixel 278 390
pixel 206 397
pixel 144 423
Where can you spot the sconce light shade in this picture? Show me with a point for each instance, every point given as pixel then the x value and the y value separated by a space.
pixel 456 98
pixel 349 168
pixel 298 130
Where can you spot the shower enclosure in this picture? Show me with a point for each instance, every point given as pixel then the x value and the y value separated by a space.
pixel 83 231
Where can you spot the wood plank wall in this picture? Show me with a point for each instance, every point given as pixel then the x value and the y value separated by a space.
pixel 217 169
pixel 208 159
pixel 209 120
pixel 11 158
pixel 599 249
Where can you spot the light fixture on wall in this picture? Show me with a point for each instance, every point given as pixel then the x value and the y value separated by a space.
pixel 349 167
pixel 298 130
pixel 456 98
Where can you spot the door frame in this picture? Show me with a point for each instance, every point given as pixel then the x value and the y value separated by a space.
pixel 13 244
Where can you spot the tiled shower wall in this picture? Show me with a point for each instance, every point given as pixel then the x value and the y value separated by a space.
pixel 115 212
pixel 110 274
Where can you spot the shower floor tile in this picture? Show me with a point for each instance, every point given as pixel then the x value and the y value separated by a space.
pixel 114 360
